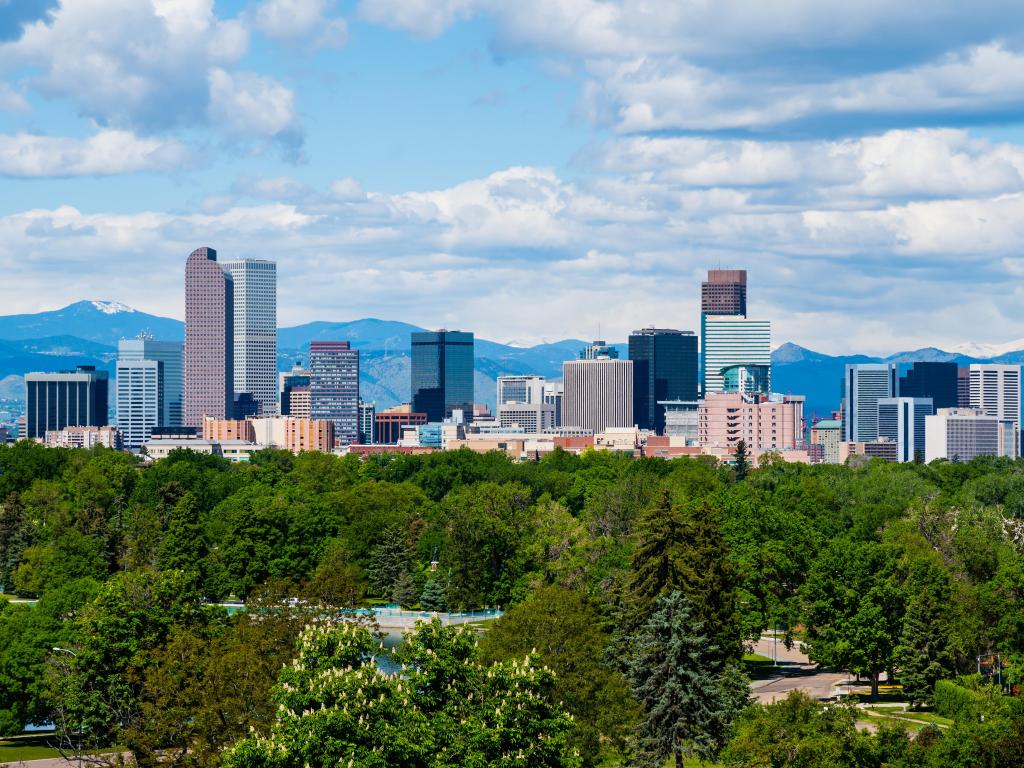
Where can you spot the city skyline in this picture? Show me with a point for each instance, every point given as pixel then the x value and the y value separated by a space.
pixel 454 151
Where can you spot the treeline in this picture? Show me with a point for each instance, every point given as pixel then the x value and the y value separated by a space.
pixel 603 562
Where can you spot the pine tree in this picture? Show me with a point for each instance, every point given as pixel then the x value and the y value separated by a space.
pixel 433 597
pixel 742 463
pixel 924 653
pixel 389 559
pixel 404 592
pixel 689 693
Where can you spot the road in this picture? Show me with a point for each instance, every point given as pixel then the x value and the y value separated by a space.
pixel 796 672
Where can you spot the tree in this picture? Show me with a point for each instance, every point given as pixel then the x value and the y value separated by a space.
pixel 925 653
pixel 389 559
pixel 404 592
pixel 689 693
pixel 337 581
pixel 444 709
pixel 564 629
pixel 433 597
pixel 741 463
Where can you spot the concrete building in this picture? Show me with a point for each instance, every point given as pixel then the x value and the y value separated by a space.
pixel 286 382
pixel 734 340
pixel 827 434
pixel 287 433
pixel 664 368
pixel 209 337
pixel 901 420
pixel 84 437
pixel 170 376
pixel 522 405
pixel 995 389
pixel 254 284
pixel 391 421
pixel 961 434
pixel 681 421
pixel 598 394
pixel 553 394
pixel 76 398
pixel 863 386
pixel 723 293
pixel 882 448
pixel 441 377
pixel 300 403
pixel 137 388
pixel 334 387
pixel 367 423
pixel 747 379
pixel 763 424
pixel 520 389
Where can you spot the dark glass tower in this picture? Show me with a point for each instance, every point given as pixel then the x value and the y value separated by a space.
pixel 70 399
pixel 664 368
pixel 935 380
pixel 442 374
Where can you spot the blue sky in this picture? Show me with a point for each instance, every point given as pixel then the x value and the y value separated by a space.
pixel 526 170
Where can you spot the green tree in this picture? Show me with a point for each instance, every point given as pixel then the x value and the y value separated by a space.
pixel 925 652
pixel 445 709
pixel 389 559
pixel 433 597
pixel 689 694
pixel 741 461
pixel 337 581
pixel 404 592
pixel 565 631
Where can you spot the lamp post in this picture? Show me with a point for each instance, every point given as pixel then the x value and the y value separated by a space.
pixel 81 727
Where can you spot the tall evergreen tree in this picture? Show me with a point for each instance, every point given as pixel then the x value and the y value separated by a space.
pixel 924 654
pixel 433 597
pixel 389 560
pixel 742 461
pixel 690 694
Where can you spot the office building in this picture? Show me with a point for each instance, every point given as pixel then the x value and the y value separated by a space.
pixel 300 403
pixel 763 424
pixel 963 387
pixel 170 375
pixel 138 400
pixel 723 293
pixel 598 394
pixel 530 418
pixel 287 381
pixel 599 349
pixel 286 433
pixel 681 420
pixel 442 374
pixel 664 368
pixel 254 286
pixel 937 381
pixel 826 434
pixel 367 423
pixel 863 386
pixel 995 390
pixel 901 420
pixel 334 387
pixel 883 448
pixel 553 392
pixel 520 389
pixel 747 379
pixel 84 437
pixel 734 340
pixel 76 398
pixel 961 434
pixel 209 337
pixel 391 421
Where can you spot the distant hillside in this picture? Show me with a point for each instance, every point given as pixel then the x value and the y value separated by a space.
pixel 104 322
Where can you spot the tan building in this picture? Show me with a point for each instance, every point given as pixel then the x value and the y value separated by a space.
pixel 300 403
pixel 765 424
pixel 217 430
pixel 827 433
pixel 83 437
pixel 285 432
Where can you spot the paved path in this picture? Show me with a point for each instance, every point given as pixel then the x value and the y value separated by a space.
pixel 795 672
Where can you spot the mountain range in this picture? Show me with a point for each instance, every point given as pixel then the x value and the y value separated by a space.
pixel 87 332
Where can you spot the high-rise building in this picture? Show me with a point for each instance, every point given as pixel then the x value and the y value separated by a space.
pixel 209 336
pixel 961 434
pixel 723 293
pixel 68 399
pixel 598 349
pixel 170 377
pixel 138 400
pixel 334 387
pixel 598 394
pixel 733 340
pixel 963 387
pixel 522 406
pixel 442 374
pixel 664 368
pixel 901 420
pixel 863 386
pixel 937 381
pixel 826 433
pixel 289 380
pixel 391 422
pixel 995 389
pixel 254 303
pixel 300 403
pixel 763 424
pixel 521 389
pixel 553 393
pixel 367 422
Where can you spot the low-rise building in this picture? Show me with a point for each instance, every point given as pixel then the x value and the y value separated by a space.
pixel 83 437
pixel 764 424
pixel 961 434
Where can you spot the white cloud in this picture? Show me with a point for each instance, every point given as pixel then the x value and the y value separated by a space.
pixel 348 189
pixel 297 21
pixel 247 105
pixel 108 152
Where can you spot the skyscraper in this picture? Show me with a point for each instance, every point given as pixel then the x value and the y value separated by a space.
pixel 995 390
pixel 138 400
pixel 863 386
pixel 442 374
pixel 961 434
pixel 334 387
pixel 723 293
pixel 598 394
pixel 733 340
pixel 68 399
pixel 664 368
pixel 902 419
pixel 935 380
pixel 209 334
pixel 255 330
pixel 170 375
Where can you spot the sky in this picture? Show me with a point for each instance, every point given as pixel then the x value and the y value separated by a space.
pixel 528 170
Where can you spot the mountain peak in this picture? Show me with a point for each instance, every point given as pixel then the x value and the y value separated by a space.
pixel 111 307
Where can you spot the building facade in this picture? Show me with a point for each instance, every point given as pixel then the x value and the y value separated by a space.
pixel 367 423
pixel 442 374
pixel 827 434
pixel 334 387
pixel 170 377
pixel 84 437
pixel 391 421
pixel 763 424
pixel 598 394
pixel 254 293
pixel 664 368
pixel 864 384
pixel 287 381
pixel 734 340
pixel 138 401
pixel 209 337
pixel 961 434
pixel 937 381
pixel 901 420
pixel 995 390
pixel 723 293
pixel 531 418
pixel 76 398
pixel 520 389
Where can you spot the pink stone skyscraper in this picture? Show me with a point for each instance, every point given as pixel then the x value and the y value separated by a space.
pixel 209 377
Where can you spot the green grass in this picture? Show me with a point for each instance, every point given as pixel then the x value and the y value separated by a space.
pixel 922 718
pixel 26 748
pixel 759 658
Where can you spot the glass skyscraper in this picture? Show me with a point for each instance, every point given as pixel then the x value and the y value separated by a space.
pixel 334 387
pixel 442 374
pixel 664 368
pixel 254 287
pixel 731 340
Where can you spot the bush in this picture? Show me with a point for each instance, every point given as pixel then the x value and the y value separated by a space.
pixel 954 701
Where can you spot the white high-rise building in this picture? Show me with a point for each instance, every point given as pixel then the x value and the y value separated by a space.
pixel 863 386
pixel 901 420
pixel 995 390
pixel 138 400
pixel 731 340
pixel 598 394
pixel 522 406
pixel 553 393
pixel 255 330
pixel 521 389
pixel 171 378
pixel 961 434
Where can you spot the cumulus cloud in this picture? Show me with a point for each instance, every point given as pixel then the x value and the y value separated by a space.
pixel 106 153
pixel 301 21
pixel 246 105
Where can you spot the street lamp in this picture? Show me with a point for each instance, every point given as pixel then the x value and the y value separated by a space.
pixel 81 727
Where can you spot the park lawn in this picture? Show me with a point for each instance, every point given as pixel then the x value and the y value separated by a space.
pixel 25 748
pixel 925 718
pixel 758 658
